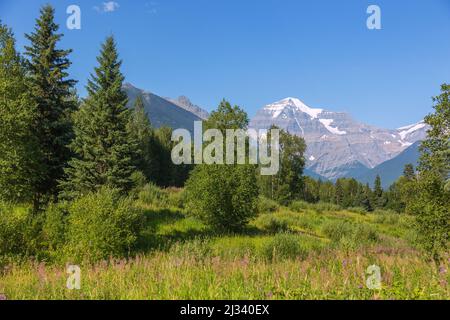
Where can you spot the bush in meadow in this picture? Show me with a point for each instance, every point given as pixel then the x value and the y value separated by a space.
pixel 19 231
pixel 284 246
pixel 222 196
pixel 152 195
pixel 102 225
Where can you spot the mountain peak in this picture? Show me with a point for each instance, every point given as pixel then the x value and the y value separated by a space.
pixel 295 103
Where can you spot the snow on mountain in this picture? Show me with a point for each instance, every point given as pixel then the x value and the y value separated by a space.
pixel 337 144
pixel 416 129
pixel 278 107
pixel 327 123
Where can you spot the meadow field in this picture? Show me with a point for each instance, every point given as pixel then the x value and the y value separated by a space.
pixel 304 251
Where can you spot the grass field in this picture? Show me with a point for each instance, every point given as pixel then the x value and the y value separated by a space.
pixel 300 252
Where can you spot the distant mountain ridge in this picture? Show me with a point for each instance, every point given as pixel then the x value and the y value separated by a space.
pixel 186 104
pixel 392 169
pixel 164 112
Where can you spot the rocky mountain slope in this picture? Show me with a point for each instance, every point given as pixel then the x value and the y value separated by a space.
pixel 163 112
pixel 391 170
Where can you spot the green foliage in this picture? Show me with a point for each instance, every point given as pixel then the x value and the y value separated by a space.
pixel 431 206
pixel 52 94
pixel 284 246
pixel 272 224
pixel 151 195
pixel 19 231
pixel 102 225
pixel 168 174
pixel 222 196
pixel 319 207
pixel 54 231
pixel 431 200
pixel 266 205
pixel 19 150
pixel 349 234
pixel 286 185
pixel 104 151
pixel 142 134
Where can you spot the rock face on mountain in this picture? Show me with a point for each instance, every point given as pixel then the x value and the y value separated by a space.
pixel 162 112
pixel 391 170
pixel 338 146
pixel 186 104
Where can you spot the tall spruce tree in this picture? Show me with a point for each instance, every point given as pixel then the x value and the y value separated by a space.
pixel 104 150
pixel 142 133
pixel 53 95
pixel 18 145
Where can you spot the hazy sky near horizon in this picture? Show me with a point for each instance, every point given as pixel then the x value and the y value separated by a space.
pixel 259 51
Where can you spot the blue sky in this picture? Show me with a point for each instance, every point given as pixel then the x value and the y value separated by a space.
pixel 259 51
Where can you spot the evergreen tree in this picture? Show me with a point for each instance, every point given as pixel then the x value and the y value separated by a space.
pixel 408 172
pixel 339 193
pixel 19 151
pixel 378 190
pixel 163 146
pixel 104 150
pixel 141 132
pixel 367 202
pixel 53 96
pixel 378 194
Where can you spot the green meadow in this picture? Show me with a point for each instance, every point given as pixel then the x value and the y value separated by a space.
pixel 303 251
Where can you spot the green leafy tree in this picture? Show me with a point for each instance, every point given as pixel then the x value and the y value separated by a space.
pixel 223 196
pixel 431 202
pixel 288 183
pixel 19 153
pixel 53 96
pixel 104 150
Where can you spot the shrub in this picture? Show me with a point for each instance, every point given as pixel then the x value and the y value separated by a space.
pixel 359 210
pixel 299 205
pixel 20 231
pixel 12 226
pixel 284 246
pixel 336 230
pixel 222 196
pixel 266 205
pixel 102 225
pixel 54 230
pixel 175 197
pixel 326 206
pixel 272 224
pixel 153 196
pixel 386 217
pixel 350 234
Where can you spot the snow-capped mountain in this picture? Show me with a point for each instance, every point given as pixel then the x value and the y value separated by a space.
pixel 338 145
pixel 413 132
